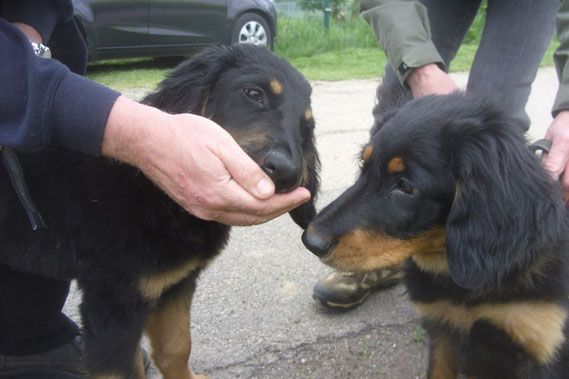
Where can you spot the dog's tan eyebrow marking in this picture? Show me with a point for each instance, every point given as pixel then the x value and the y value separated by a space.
pixel 276 86
pixel 368 151
pixel 308 114
pixel 396 164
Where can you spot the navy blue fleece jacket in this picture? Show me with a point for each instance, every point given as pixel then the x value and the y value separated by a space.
pixel 42 101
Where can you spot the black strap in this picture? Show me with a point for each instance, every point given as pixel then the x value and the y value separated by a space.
pixel 542 144
pixel 16 174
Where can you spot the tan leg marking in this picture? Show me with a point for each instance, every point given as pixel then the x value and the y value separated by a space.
pixel 153 285
pixel 139 363
pixel 168 329
pixel 535 326
pixel 434 262
pixel 307 114
pixel 362 250
pixel 443 361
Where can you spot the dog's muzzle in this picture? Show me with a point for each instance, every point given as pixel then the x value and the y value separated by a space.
pixel 317 244
pixel 282 170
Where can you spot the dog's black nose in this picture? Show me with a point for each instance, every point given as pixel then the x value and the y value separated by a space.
pixel 281 169
pixel 316 244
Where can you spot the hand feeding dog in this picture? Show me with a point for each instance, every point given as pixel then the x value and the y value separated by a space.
pixel 449 187
pixel 134 252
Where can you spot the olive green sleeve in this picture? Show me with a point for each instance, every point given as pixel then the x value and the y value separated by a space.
pixel 561 58
pixel 402 29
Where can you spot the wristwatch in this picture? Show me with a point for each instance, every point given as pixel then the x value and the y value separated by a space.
pixel 41 50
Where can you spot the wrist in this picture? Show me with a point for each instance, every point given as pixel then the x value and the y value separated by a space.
pixel 563 116
pixel 128 130
pixel 422 74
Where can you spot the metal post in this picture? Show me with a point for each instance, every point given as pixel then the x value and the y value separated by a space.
pixel 327 11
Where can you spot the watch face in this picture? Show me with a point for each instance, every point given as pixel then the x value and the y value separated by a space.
pixel 41 50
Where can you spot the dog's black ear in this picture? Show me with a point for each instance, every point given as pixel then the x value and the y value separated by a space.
pixel 187 88
pixel 305 213
pixel 506 208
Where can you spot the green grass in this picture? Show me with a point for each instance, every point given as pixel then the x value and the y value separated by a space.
pixel 129 73
pixel 347 50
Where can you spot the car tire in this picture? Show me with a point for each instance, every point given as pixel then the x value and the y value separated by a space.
pixel 252 28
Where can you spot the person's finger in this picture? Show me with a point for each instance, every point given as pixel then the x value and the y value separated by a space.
pixel 555 160
pixel 252 211
pixel 245 171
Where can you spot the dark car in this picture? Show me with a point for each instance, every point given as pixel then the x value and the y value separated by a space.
pixel 160 28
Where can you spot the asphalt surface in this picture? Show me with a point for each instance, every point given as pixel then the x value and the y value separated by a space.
pixel 253 315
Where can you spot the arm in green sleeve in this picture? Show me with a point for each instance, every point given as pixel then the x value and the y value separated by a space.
pixel 402 29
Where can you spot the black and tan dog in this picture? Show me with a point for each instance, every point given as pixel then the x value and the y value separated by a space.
pixel 135 253
pixel 449 187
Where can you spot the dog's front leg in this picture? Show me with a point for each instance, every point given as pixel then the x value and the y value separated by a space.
pixel 112 330
pixel 168 329
pixel 442 361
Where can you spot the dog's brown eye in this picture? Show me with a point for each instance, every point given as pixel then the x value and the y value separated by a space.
pixel 254 94
pixel 405 186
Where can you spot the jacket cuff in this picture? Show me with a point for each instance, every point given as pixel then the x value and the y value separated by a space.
pixel 80 111
pixel 414 58
pixel 41 15
pixel 561 102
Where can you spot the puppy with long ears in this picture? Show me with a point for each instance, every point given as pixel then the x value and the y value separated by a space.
pixel 449 187
pixel 135 253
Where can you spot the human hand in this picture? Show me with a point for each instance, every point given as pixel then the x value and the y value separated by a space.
pixel 430 79
pixel 197 163
pixel 557 161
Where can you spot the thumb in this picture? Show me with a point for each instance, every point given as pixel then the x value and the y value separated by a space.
pixel 555 161
pixel 245 171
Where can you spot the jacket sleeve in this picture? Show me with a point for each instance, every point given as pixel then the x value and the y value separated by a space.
pixel 561 59
pixel 43 103
pixel 402 29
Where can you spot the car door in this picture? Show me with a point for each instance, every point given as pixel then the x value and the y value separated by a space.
pixel 186 22
pixel 116 23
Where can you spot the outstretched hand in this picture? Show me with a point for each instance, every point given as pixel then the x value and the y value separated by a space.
pixel 197 163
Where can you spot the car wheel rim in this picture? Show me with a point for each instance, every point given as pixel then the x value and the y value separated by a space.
pixel 253 32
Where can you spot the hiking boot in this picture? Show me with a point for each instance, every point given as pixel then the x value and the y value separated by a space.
pixel 62 362
pixel 346 290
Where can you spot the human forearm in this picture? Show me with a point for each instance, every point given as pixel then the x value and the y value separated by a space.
pixel 402 29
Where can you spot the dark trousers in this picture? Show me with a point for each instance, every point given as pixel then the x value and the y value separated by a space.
pixel 515 38
pixel 31 320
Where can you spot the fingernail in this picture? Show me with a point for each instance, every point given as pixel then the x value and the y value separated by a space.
pixel 265 187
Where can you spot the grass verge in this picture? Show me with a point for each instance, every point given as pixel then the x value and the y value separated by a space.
pixel 348 50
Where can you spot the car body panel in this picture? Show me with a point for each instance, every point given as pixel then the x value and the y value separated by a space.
pixel 153 28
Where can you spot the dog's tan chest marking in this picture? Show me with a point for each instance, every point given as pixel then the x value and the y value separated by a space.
pixel 276 86
pixel 395 165
pixel 363 250
pixel 535 326
pixel 151 286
